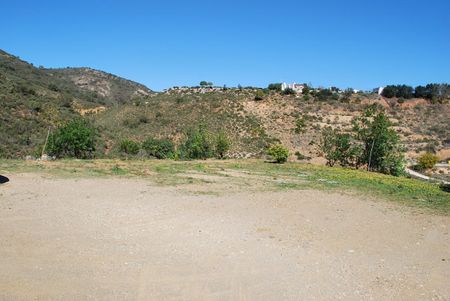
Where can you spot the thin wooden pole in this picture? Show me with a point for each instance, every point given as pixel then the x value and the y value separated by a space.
pixel 46 140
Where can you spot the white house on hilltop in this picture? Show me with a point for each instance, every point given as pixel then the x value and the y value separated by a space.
pixel 298 88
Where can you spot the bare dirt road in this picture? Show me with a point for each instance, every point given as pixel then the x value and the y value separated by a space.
pixel 125 239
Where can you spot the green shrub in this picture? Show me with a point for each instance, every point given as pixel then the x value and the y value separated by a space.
pixel 129 147
pixel 288 91
pixel 427 161
pixel 159 148
pixel 222 144
pixel 300 124
pixel 76 139
pixel 278 152
pixel 259 95
pixel 198 144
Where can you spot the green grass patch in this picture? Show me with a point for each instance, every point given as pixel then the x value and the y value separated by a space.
pixel 250 175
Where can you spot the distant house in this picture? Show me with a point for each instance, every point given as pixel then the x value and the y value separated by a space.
pixel 378 90
pixel 298 88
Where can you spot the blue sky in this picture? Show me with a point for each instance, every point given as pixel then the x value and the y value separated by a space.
pixel 360 44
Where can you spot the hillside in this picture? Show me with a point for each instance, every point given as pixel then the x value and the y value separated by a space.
pixel 110 88
pixel 254 124
pixel 32 99
pixel 36 99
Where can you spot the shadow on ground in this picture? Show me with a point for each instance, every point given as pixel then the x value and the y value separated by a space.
pixel 3 179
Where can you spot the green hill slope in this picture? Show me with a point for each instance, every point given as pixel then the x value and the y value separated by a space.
pixel 32 99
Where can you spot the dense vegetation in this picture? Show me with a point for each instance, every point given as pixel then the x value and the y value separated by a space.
pixel 76 139
pixel 373 143
pixel 432 92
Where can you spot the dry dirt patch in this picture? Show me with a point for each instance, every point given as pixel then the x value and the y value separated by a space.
pixel 127 239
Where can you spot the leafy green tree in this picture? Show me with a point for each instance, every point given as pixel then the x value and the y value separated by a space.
pixel 399 91
pixel 437 93
pixel 75 139
pixel 198 144
pixel 129 147
pixel 339 148
pixel 223 144
pixel 203 83
pixel 159 148
pixel 274 87
pixel 381 151
pixel 278 152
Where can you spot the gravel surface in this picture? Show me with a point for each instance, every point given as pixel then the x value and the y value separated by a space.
pixel 127 239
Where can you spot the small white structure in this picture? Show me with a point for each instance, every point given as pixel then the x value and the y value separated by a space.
pixel 296 87
pixel 378 90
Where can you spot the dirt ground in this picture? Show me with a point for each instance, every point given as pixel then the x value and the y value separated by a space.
pixel 128 239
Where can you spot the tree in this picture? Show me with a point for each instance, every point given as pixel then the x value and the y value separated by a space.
pixel 389 91
pixel 159 148
pixel 399 91
pixel 381 150
pixel 433 92
pixel 278 152
pixel 274 87
pixel 427 161
pixel 339 148
pixel 198 144
pixel 203 83
pixel 222 144
pixel 75 139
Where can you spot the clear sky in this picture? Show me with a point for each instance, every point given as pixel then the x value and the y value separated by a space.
pixel 348 43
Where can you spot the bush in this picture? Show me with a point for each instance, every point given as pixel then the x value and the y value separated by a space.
pixel 278 152
pixel 288 91
pixel 159 148
pixel 300 124
pixel 324 95
pixel 222 144
pixel 427 161
pixel 259 95
pixel 198 144
pixel 129 147
pixel 76 139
